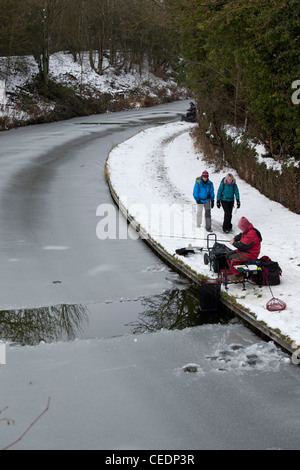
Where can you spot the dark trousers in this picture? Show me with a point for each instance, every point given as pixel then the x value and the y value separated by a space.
pixel 227 207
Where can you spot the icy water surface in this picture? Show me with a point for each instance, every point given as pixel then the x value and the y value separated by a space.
pixel 58 280
pixel 173 309
pixel 197 381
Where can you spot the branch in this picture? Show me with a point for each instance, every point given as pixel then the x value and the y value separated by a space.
pixel 29 427
pixel 7 420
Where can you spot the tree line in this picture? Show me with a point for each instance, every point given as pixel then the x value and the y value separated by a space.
pixel 242 58
pixel 126 32
pixel 239 58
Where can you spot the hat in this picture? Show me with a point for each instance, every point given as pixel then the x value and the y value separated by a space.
pixel 205 174
pixel 244 224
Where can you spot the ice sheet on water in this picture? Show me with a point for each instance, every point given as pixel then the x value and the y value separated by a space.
pixel 156 268
pixel 256 357
pixel 55 248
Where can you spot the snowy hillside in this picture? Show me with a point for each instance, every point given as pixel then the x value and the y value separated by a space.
pixel 125 89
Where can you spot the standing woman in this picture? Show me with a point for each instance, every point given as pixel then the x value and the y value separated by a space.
pixel 228 190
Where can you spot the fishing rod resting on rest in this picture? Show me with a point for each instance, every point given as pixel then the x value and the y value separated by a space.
pixel 190 249
pixel 188 238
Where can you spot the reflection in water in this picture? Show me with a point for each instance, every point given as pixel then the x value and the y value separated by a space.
pixel 49 324
pixel 174 309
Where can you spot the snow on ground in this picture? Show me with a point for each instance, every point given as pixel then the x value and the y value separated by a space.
pixel 154 174
pixel 238 135
pixel 64 69
pixel 16 71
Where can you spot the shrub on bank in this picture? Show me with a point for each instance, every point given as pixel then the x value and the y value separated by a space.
pixel 280 183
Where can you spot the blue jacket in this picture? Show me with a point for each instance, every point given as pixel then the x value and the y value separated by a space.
pixel 227 192
pixel 203 191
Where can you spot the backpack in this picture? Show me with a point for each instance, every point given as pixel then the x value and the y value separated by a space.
pixel 217 257
pixel 198 180
pixel 270 272
pixel 223 181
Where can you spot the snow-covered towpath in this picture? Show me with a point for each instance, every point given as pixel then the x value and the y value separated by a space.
pixel 154 173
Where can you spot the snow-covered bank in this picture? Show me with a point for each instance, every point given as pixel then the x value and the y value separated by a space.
pixel 63 69
pixel 17 72
pixel 154 173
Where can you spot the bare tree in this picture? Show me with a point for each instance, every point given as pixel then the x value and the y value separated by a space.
pixel 42 23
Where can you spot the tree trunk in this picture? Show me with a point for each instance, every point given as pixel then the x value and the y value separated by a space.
pixel 237 90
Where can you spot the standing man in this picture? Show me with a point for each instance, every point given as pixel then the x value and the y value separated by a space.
pixel 204 196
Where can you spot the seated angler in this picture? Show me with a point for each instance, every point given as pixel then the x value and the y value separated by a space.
pixel 247 244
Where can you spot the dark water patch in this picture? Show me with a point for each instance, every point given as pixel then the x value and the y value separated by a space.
pixel 173 310
pixel 48 324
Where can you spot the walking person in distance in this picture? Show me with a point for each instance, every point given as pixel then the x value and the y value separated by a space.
pixel 227 192
pixel 204 196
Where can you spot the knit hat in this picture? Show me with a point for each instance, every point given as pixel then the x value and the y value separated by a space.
pixel 205 174
pixel 244 224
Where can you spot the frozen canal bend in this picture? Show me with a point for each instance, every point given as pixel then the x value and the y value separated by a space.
pixel 51 184
pixel 129 392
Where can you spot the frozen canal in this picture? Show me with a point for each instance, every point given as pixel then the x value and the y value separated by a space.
pixel 111 389
pixel 51 184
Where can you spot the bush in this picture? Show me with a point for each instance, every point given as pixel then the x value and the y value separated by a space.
pixel 281 186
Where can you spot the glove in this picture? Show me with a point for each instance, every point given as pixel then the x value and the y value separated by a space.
pixel 218 204
pixel 238 204
pixel 212 203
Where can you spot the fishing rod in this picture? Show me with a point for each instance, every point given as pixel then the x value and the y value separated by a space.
pixel 187 238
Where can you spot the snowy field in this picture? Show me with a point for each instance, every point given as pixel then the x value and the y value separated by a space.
pixel 154 174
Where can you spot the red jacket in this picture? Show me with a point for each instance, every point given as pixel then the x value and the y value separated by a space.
pixel 248 242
